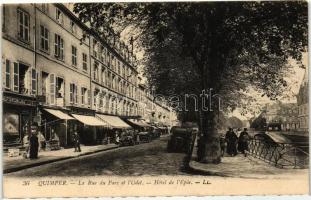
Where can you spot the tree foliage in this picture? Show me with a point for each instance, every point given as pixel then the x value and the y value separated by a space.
pixel 221 45
pixel 227 46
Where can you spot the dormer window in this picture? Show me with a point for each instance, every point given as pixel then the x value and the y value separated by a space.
pixel 72 27
pixel 45 7
pixel 59 16
pixel 94 48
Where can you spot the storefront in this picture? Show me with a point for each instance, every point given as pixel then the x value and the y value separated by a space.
pixel 114 124
pixel 55 126
pixel 90 129
pixel 18 114
pixel 138 124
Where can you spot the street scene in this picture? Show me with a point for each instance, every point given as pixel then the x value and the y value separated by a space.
pixel 145 159
pixel 215 90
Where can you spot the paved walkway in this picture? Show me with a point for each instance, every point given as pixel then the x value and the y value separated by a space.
pixel 245 167
pixel 12 164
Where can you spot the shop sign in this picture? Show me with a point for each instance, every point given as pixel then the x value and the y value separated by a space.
pixel 20 101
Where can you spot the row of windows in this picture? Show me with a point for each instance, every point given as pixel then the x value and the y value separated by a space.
pixel 59 52
pixel 59 17
pixel 23 79
pixel 110 80
pixel 98 51
pixel 24 32
pixel 112 62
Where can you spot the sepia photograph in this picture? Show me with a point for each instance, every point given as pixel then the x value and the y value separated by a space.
pixel 123 99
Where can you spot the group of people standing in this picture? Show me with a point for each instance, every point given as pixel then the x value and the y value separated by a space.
pixel 235 143
pixel 36 141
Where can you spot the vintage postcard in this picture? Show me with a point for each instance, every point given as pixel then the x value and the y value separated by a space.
pixel 155 99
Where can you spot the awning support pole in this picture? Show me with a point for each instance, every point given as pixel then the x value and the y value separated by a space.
pixel 66 132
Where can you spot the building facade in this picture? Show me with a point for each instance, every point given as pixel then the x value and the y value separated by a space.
pixel 286 114
pixel 303 104
pixel 154 110
pixel 59 73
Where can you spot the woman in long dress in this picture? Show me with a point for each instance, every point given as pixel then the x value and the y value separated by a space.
pixel 231 139
pixel 33 143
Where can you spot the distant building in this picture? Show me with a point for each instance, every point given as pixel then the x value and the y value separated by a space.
pixel 286 114
pixel 303 104
pixel 153 110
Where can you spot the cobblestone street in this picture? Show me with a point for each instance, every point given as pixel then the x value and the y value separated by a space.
pixel 144 159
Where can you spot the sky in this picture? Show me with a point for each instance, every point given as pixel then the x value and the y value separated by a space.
pixel 294 80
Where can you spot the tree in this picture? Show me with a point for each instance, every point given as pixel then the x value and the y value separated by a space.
pixel 227 45
pixel 235 122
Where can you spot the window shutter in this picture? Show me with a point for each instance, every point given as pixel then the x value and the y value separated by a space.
pixel 52 89
pixel 70 93
pixel 61 48
pixel 81 95
pixel 64 92
pixel 47 39
pixel 33 81
pixel 89 97
pixel 39 82
pixel 76 94
pixel 16 77
pixel 7 79
pixel 56 46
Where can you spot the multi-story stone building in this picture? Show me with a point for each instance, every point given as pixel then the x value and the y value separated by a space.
pixel 303 104
pixel 61 74
pixel 154 110
pixel 285 114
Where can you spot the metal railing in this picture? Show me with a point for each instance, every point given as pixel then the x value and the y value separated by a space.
pixel 281 155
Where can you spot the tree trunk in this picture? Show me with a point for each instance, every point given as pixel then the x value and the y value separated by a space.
pixel 208 144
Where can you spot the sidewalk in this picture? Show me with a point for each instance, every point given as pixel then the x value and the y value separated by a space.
pixel 12 164
pixel 245 167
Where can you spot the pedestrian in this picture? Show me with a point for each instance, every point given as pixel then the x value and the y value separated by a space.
pixel 222 141
pixel 26 146
pixel 41 139
pixel 117 137
pixel 137 139
pixel 243 142
pixel 33 142
pixel 231 140
pixel 76 140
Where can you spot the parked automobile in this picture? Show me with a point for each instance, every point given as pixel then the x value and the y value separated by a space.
pixel 127 139
pixel 144 136
pixel 181 140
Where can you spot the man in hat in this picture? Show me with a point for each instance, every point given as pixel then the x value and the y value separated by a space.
pixel 76 140
pixel 33 142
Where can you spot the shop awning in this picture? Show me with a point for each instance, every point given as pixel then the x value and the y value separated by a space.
pixel 113 121
pixel 58 113
pixel 139 123
pixel 89 120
